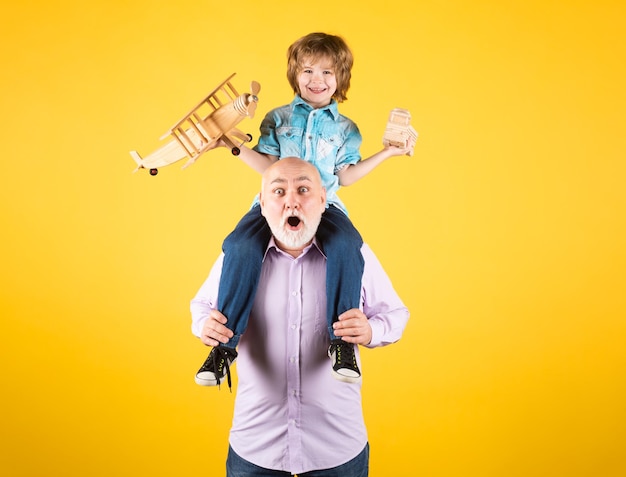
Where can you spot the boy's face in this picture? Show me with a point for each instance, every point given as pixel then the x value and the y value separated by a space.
pixel 317 81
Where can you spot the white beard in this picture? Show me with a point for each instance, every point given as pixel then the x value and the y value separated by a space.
pixel 295 239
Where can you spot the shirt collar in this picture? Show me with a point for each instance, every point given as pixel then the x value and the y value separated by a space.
pixel 332 108
pixel 313 246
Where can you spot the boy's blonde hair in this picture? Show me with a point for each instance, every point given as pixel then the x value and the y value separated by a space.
pixel 316 46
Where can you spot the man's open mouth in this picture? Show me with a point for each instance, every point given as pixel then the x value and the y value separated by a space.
pixel 293 221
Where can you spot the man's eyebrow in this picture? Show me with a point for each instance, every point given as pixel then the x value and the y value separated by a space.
pixel 282 180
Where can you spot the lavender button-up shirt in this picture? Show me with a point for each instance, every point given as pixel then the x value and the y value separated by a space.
pixel 290 413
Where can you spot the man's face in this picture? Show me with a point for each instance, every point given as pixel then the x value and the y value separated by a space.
pixel 292 201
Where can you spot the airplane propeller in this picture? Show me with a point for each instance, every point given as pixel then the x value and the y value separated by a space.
pixel 252 99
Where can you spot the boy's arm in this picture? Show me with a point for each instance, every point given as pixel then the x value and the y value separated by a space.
pixel 353 172
pixel 259 161
pixel 256 160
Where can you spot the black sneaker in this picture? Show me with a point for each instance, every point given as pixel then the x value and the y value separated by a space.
pixel 344 361
pixel 216 366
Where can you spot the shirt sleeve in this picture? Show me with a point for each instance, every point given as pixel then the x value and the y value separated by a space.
pixel 206 298
pixel 268 141
pixel 383 307
pixel 350 151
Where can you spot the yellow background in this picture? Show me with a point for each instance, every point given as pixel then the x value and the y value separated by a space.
pixel 504 234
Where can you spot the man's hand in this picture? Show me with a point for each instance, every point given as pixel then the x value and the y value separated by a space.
pixel 353 327
pixel 214 330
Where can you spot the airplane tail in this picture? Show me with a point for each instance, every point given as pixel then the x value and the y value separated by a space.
pixel 137 159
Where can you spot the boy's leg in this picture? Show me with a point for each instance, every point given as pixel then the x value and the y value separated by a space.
pixel 243 257
pixel 341 243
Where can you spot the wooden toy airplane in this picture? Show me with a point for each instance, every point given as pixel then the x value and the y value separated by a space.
pixel 214 118
pixel 399 131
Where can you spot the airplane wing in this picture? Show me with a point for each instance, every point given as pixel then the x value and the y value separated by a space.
pixel 212 101
pixel 173 151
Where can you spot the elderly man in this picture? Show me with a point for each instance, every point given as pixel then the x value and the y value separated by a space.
pixel 291 416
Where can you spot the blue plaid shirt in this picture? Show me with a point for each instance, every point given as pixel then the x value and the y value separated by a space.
pixel 323 137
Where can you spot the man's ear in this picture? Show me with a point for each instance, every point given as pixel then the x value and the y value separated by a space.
pixel 261 203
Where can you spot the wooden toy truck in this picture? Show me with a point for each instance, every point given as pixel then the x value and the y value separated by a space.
pixel 399 131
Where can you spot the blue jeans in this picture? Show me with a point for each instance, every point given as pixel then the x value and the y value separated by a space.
pixel 243 257
pixel 357 467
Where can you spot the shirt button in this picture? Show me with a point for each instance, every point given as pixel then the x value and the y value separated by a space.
pixel 293 327
pixel 294 293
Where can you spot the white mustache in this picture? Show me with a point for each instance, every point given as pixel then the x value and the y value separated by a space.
pixel 305 233
pixel 292 213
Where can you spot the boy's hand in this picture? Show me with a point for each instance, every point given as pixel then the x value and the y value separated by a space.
pixel 402 151
pixel 214 330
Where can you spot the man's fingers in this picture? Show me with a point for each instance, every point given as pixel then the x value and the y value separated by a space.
pixel 214 330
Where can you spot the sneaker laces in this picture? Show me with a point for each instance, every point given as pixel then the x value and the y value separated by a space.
pixel 219 360
pixel 345 356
